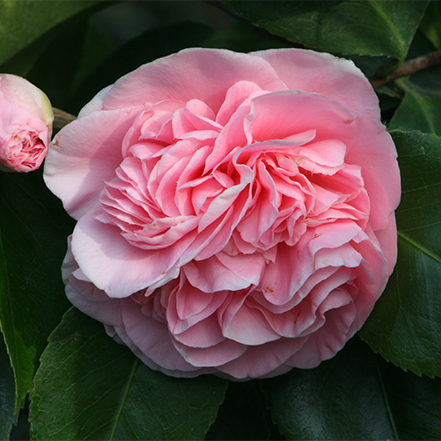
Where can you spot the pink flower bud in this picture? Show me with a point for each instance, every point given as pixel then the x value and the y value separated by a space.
pixel 26 119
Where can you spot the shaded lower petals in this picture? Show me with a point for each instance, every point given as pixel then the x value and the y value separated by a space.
pixel 182 313
pixel 304 315
pixel 316 278
pixel 248 326
pixel 203 334
pixel 264 360
pixel 219 354
pixel 145 335
pixel 94 302
pixel 326 342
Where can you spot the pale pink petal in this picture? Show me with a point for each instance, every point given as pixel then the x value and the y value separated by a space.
pixel 281 114
pixel 219 354
pixel 263 360
pixel 223 272
pixel 375 151
pixel 322 73
pixel 115 266
pixel 85 154
pixel 202 74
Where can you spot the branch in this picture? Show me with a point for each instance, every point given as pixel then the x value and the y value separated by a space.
pixel 62 118
pixel 411 66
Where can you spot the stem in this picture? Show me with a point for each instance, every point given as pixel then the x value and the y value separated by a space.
pixel 62 118
pixel 411 66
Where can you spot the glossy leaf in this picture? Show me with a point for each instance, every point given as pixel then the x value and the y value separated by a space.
pixel 427 82
pixel 7 392
pixel 33 232
pixel 405 325
pixel 150 45
pixel 430 23
pixel 243 415
pixel 418 112
pixel 24 21
pixel 366 27
pixel 356 395
pixel 89 387
pixel 56 66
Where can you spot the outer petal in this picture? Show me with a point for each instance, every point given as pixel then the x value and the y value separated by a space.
pixel 203 74
pixel 324 74
pixel 112 264
pixel 375 152
pixel 83 155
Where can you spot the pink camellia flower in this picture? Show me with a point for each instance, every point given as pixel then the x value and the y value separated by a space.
pixel 26 118
pixel 235 211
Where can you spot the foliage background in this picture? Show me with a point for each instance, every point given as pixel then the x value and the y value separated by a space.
pixel 82 384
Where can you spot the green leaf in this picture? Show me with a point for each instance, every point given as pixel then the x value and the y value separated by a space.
pixel 405 325
pixel 60 34
pixel 33 233
pixel 55 68
pixel 356 395
pixel 7 392
pixel 366 27
pixel 242 415
pixel 145 48
pixel 430 23
pixel 89 387
pixel 418 112
pixel 426 82
pixel 24 21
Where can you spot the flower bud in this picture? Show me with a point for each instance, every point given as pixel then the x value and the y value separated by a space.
pixel 26 119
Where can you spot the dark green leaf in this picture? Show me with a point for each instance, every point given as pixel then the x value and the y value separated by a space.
pixel 7 392
pixel 418 112
pixel 33 232
pixel 367 27
pixel 147 47
pixel 430 23
pixel 24 21
pixel 55 68
pixel 405 325
pixel 242 415
pixel 88 387
pixel 356 395
pixel 427 82
pixel 243 37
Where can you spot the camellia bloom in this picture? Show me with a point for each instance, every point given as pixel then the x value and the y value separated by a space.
pixel 235 211
pixel 26 119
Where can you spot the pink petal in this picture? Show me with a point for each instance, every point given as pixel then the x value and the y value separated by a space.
pixel 325 74
pixel 264 360
pixel 85 154
pixel 202 74
pixel 223 272
pixel 114 265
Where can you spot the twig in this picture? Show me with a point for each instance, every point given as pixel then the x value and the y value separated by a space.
pixel 410 67
pixel 61 119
